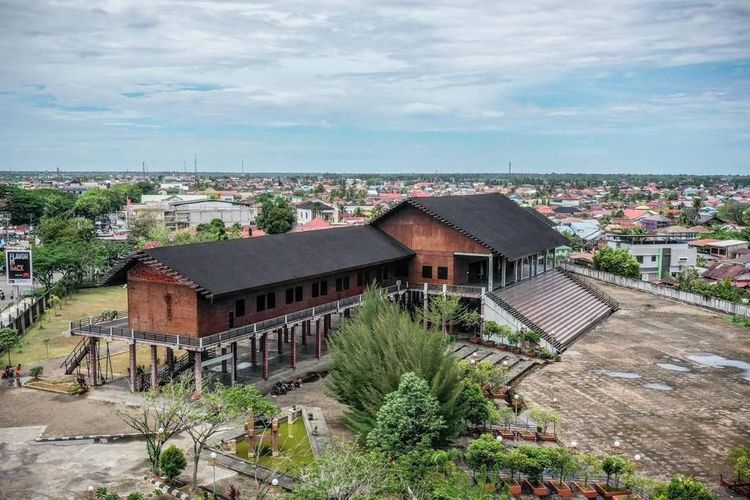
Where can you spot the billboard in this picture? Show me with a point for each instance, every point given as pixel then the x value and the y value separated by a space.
pixel 18 266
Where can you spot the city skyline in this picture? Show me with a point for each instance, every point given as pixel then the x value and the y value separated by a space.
pixel 626 87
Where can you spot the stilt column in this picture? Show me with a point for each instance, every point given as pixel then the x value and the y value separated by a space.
pixel 293 353
pixel 253 351
pixel 93 361
pixel 198 371
pixel 131 359
pixel 154 369
pixel 264 346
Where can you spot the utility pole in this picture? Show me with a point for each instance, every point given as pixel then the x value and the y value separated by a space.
pixel 195 166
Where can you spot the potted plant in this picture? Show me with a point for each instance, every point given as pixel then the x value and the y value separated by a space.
pixel 613 466
pixel 483 454
pixel 514 462
pixel 530 339
pixel 588 465
pixel 513 340
pixel 537 459
pixel 506 416
pixel 543 419
pixel 563 463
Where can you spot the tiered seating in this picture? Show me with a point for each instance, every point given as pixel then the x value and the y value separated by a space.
pixel 562 306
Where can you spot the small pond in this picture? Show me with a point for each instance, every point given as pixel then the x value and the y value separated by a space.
pixel 294 448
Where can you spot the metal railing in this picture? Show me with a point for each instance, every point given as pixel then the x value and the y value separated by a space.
pixel 76 356
pixel 595 291
pixel 89 327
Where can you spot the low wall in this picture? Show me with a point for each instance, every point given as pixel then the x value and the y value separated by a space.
pixel 714 304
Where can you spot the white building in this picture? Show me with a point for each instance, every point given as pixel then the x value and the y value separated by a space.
pixel 658 255
pixel 192 213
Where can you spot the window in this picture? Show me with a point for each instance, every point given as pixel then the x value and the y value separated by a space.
pixel 653 258
pixel 427 271
pixel 271 300
pixel 346 282
pixel 639 258
pixel 360 278
pixel 289 295
pixel 168 301
pixel 385 273
pixel 298 294
pixel 239 307
pixel 339 284
pixel 442 273
pixel 320 288
pixel 260 303
pixel 315 289
pixel 324 287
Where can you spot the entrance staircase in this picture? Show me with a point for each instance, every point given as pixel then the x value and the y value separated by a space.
pixel 78 354
pixel 558 304
pixel 164 375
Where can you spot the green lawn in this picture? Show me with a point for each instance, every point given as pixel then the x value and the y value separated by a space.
pixel 294 451
pixel 90 301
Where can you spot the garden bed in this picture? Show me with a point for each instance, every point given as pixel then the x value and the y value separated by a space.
pixel 59 386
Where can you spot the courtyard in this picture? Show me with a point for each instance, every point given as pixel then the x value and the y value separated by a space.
pixel 669 381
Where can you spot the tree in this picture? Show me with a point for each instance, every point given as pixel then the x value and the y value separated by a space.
pixel 562 461
pixel 344 473
pixel 537 459
pixel 36 371
pixel 97 202
pixel 612 465
pixel 55 230
pixel 588 466
pixel 215 230
pixel 173 462
pixel 739 460
pixel 371 352
pixel 204 416
pixel 443 311
pixel 485 452
pixel 473 405
pixel 733 211
pixel 494 328
pixel 574 241
pixel 9 339
pixel 683 488
pixel 157 419
pixel 276 216
pixel 140 227
pixel 409 418
pixel 617 261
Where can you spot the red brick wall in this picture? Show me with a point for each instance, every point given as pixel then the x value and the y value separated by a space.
pixel 148 290
pixel 434 243
pixel 214 317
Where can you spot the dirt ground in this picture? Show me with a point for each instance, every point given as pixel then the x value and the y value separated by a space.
pixel 62 415
pixel 682 416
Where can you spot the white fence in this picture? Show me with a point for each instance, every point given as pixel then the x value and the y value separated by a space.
pixel 662 291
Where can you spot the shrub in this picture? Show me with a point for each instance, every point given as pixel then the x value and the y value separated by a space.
pixel 545 353
pixel 409 419
pixel 36 371
pixel 473 405
pixel 135 496
pixel 485 451
pixel 683 488
pixel 612 465
pixel 617 261
pixel 173 462
pixel 370 354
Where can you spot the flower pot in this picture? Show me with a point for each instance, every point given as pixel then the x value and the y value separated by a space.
pixel 513 487
pixel 507 434
pixel 527 435
pixel 609 492
pixel 541 436
pixel 561 488
pixel 475 340
pixel 490 343
pixel 539 489
pixel 587 491
pixel 502 347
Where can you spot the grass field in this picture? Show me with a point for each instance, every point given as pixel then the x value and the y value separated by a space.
pixel 90 301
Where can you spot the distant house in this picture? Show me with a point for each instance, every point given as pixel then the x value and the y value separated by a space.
pixel 654 222
pixel 658 255
pixel 313 225
pixel 316 209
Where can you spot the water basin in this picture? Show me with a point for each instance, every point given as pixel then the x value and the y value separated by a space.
pixel 716 361
pixel 658 387
pixel 674 368
pixel 615 374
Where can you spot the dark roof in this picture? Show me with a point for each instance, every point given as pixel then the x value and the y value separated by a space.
pixel 224 267
pixel 493 220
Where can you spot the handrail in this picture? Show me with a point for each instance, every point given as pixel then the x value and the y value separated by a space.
pixel 601 295
pixel 526 321
pixel 76 356
pixel 202 343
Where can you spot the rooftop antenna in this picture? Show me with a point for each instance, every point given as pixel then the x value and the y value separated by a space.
pixel 195 166
pixel 184 164
pixel 143 164
pixel 243 167
pixel 509 168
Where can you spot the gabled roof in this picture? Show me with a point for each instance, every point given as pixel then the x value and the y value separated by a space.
pixel 225 267
pixel 492 219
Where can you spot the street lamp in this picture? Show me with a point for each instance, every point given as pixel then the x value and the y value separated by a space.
pixel 499 438
pixel 637 459
pixel 574 447
pixel 213 464
pixel 90 493
pixel 555 403
pixel 515 403
pixel 616 447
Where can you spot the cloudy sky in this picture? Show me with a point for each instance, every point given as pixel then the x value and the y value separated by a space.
pixel 387 86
